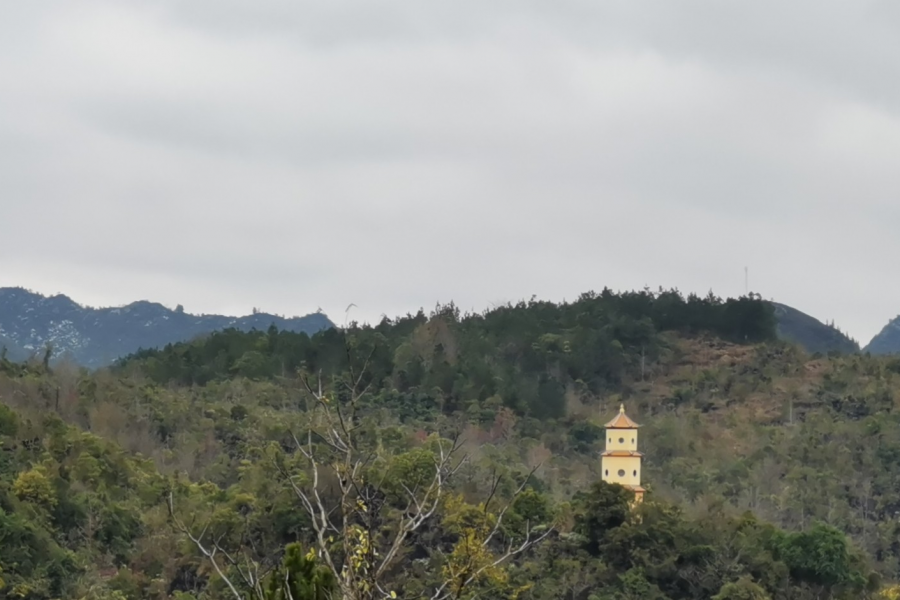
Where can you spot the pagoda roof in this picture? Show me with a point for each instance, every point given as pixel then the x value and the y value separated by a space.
pixel 622 421
pixel 621 453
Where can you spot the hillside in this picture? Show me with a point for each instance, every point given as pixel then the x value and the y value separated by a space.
pixel 813 335
pixel 887 341
pixel 94 337
pixel 757 457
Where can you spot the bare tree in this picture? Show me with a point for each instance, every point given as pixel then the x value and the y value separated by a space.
pixel 353 522
pixel 249 570
pixel 357 518
pixel 363 521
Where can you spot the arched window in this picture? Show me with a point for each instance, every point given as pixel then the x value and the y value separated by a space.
pixel 635 473
pixel 606 472
pixel 621 472
pixel 632 440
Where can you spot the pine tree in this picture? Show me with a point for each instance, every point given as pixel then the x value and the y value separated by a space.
pixel 300 578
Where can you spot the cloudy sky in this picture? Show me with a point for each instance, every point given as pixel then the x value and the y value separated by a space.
pixel 290 155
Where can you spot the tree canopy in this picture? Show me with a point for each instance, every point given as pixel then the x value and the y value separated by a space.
pixel 273 465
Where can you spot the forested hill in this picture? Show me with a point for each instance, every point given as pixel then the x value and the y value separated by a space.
pixel 180 472
pixel 527 353
pixel 94 337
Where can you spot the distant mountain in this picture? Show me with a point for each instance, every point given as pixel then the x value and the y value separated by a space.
pixel 809 332
pixel 95 337
pixel 887 341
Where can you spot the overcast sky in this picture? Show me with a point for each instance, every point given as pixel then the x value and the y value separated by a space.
pixel 291 155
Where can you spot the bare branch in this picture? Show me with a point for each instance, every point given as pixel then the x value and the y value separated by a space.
pixel 502 513
pixel 495 483
pixel 209 553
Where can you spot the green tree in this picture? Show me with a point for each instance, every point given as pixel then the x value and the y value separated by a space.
pixel 34 486
pixel 820 556
pixel 301 578
pixel 635 586
pixel 602 508
pixel 742 589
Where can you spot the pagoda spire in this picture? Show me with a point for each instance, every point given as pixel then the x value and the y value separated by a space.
pixel 622 421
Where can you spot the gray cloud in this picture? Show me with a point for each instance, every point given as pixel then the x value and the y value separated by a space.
pixel 291 155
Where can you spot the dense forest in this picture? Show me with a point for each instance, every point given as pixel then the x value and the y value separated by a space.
pixel 445 455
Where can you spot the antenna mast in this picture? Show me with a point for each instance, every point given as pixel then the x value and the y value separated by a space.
pixel 746 281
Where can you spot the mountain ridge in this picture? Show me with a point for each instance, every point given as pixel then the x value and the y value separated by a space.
pixel 810 333
pixel 887 341
pixel 95 337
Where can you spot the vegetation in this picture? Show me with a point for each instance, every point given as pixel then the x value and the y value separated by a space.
pixel 456 456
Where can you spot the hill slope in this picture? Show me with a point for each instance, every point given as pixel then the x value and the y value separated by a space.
pixel 810 333
pixel 887 341
pixel 750 424
pixel 95 337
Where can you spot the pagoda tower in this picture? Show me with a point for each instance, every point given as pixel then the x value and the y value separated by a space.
pixel 621 461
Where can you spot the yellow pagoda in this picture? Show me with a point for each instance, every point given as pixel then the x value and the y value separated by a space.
pixel 621 461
